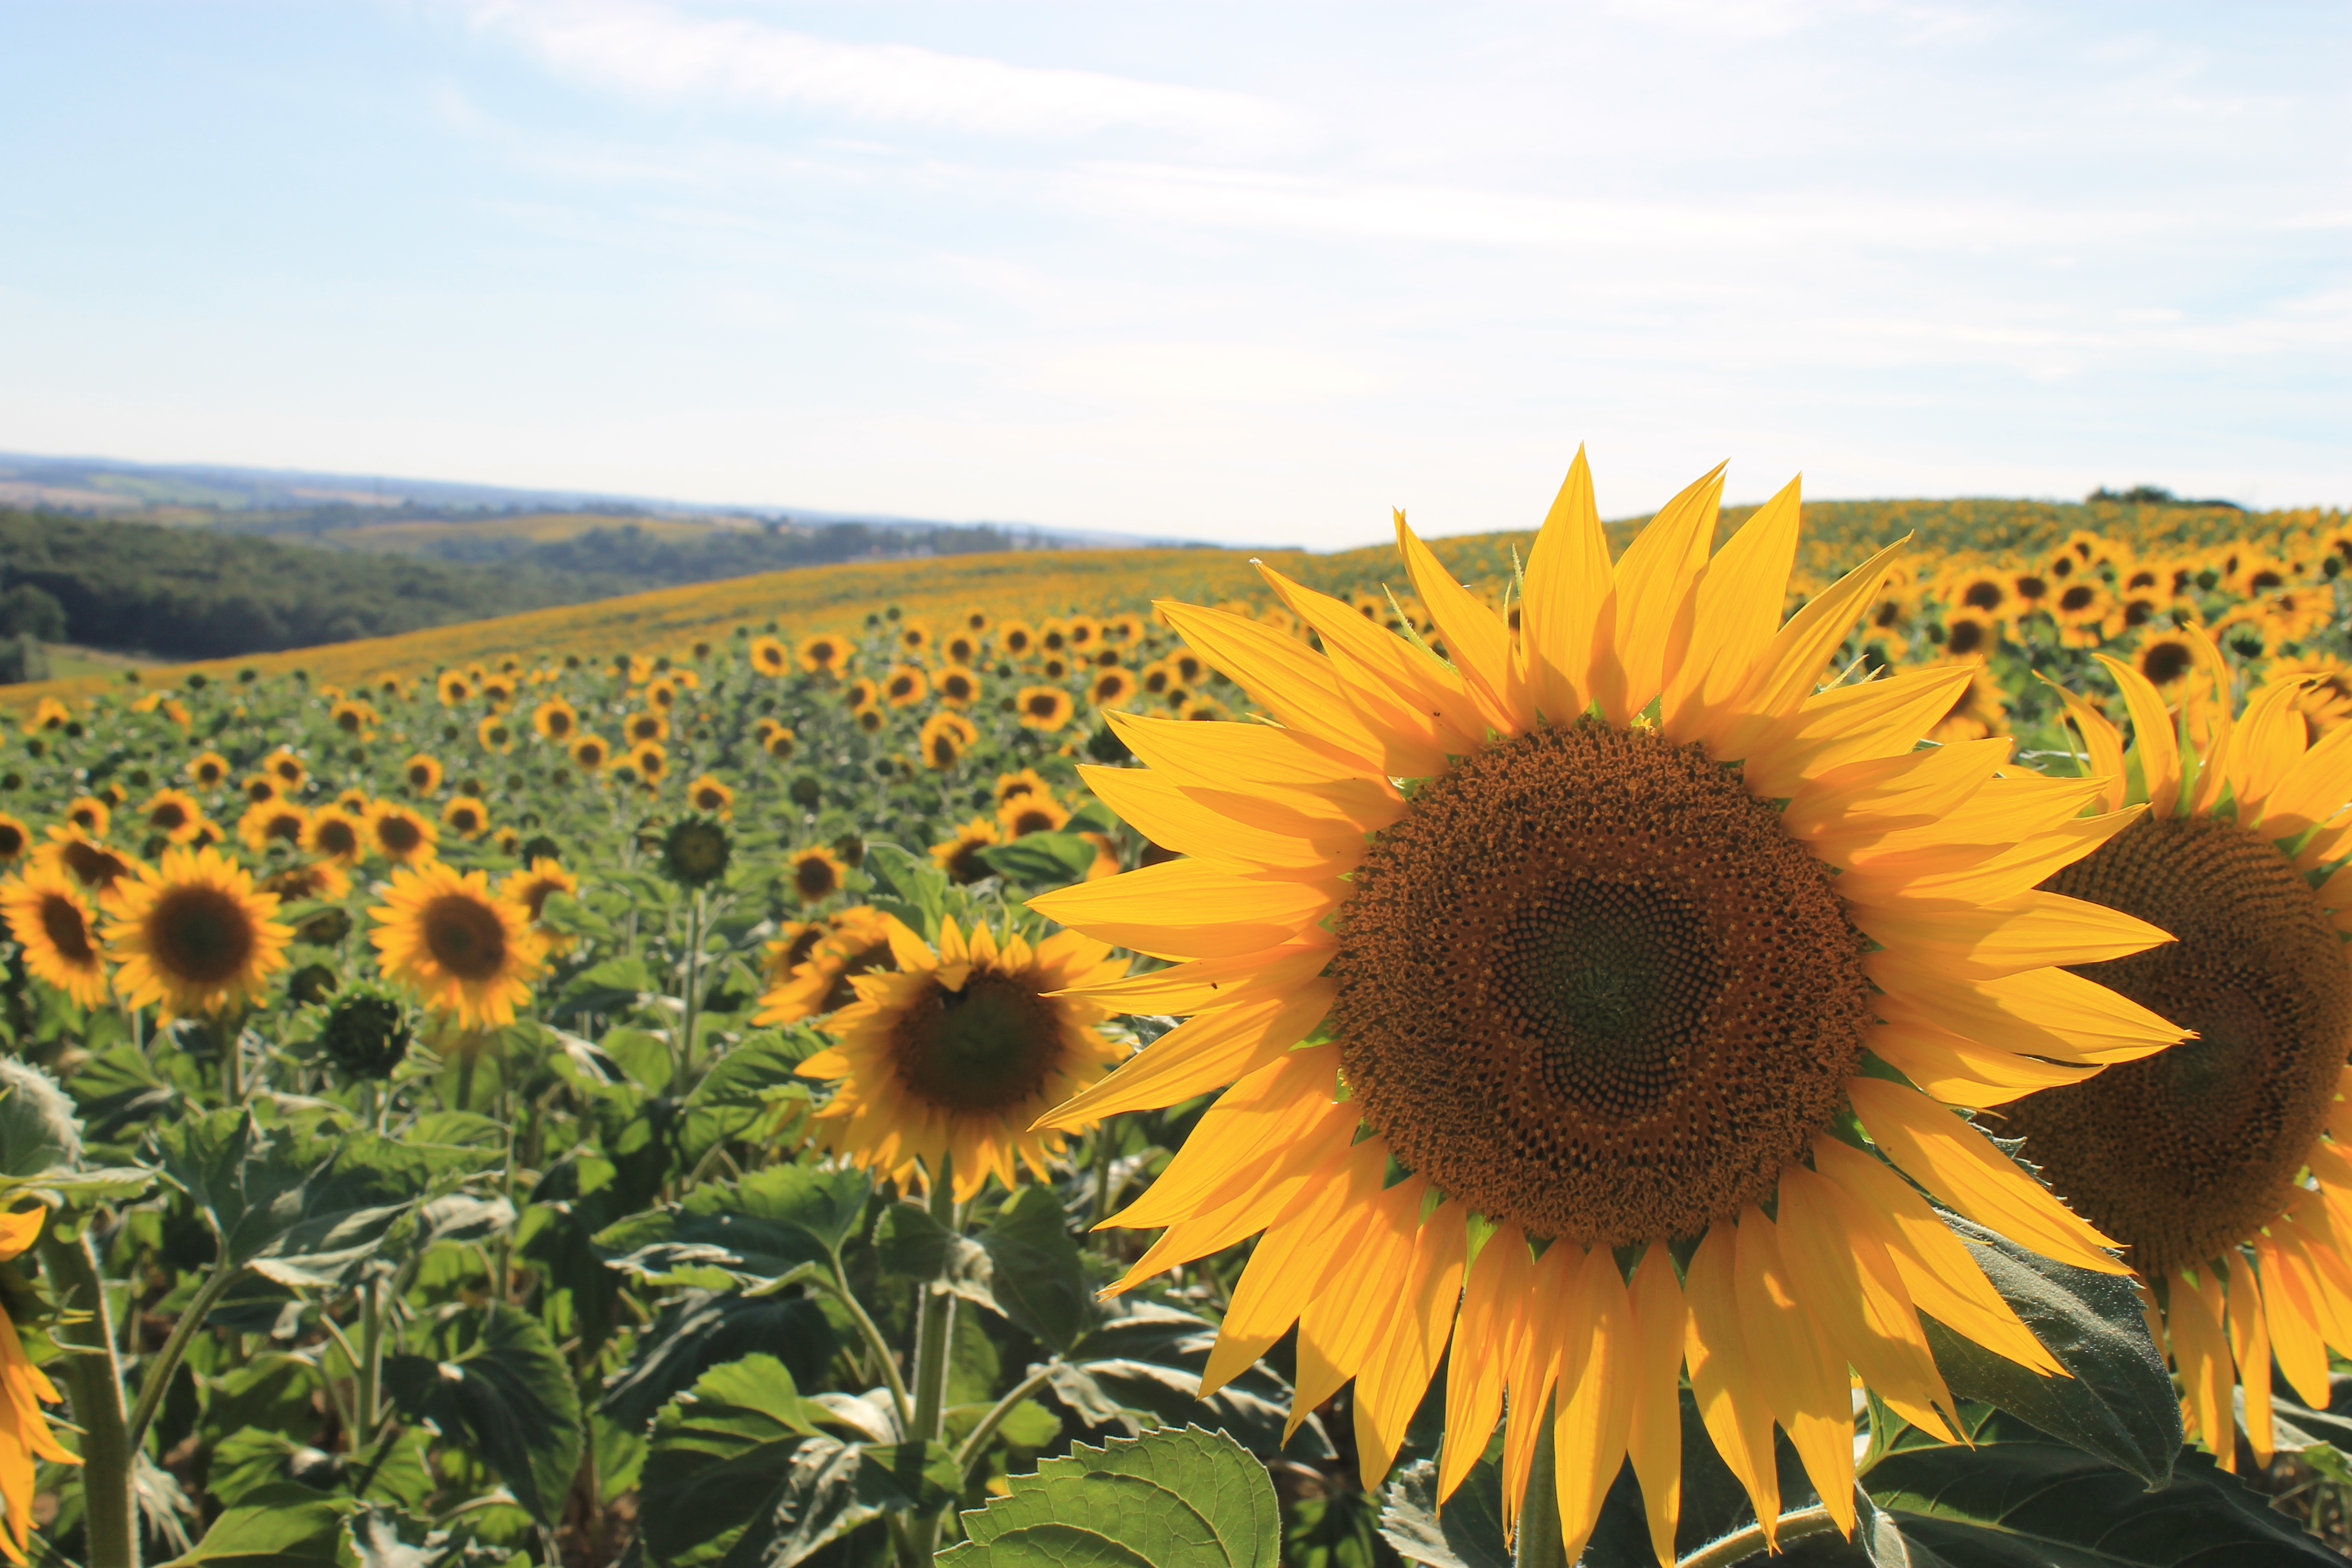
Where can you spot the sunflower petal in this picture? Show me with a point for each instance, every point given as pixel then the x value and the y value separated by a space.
pixel 1655 605
pixel 1295 684
pixel 1199 1055
pixel 1590 1435
pixel 1654 1433
pixel 2103 743
pixel 2249 1346
pixel 1186 909
pixel 1740 600
pixel 2154 741
pixel 1476 637
pixel 1493 1292
pixel 1567 617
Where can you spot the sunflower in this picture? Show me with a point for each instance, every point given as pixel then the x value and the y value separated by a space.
pixel 89 814
pixel 946 737
pixel 816 874
pixel 308 879
pixel 1016 639
pixel 353 718
pixel 279 820
pixel 954 1057
pixel 2082 609
pixel 1054 667
pixel 92 864
pixel 531 889
pixel 2195 1158
pixel 48 714
pixel 1111 688
pixel 1037 812
pixel 643 726
pixel 466 817
pixel 421 773
pixel 1978 708
pixel 398 833
pixel 854 942
pixel 285 767
pixel 173 814
pixel 454 688
pixel 860 693
pixel 590 752
pixel 905 685
pixel 1968 633
pixel 53 923
pixel 650 760
pixel 25 1434
pixel 707 793
pixel 871 720
pixel 782 744
pixel 959 856
pixel 496 734
pixel 1045 707
pixel 958 687
pixel 915 635
pixel 1013 787
pixel 662 695
pixel 794 941
pixel 823 654
pixel 207 769
pixel 1082 630
pixel 1981 589
pixel 1659 931
pixel 260 788
pixel 959 648
pixel 463 951
pixel 2165 657
pixel 194 936
pixel 555 720
pixel 16 840
pixel 1054 636
pixel 2324 691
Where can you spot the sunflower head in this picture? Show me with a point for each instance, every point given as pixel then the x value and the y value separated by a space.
pixel 208 770
pixel 589 754
pixel 823 654
pixel 1037 812
pixel 16 840
pixel 555 721
pixel 194 936
pixel 695 851
pixel 650 760
pixel 398 833
pixel 1016 639
pixel 421 773
pixel 446 938
pixel 947 1062
pixel 782 744
pixel 958 687
pixel 872 721
pixel 367 1032
pixel 466 816
pixel 946 736
pixel 335 837
pixel 173 815
pixel 52 921
pixel 92 864
pixel 905 685
pixel 1045 707
pixel 960 857
pixel 273 822
pixel 816 874
pixel 810 969
pixel 89 814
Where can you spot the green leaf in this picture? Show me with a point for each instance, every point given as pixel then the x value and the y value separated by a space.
pixel 510 1399
pixel 278 1527
pixel 1171 1499
pixel 1467 1532
pixel 1149 1359
pixel 700 1329
pixel 120 1089
pixel 769 1224
pixel 2119 1404
pixel 2017 1498
pixel 1023 1266
pixel 912 887
pixel 615 985
pixel 1042 859
pixel 746 1089
pixel 741 1473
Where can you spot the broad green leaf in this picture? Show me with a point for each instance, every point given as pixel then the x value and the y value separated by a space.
pixel 2017 1498
pixel 1042 859
pixel 1149 1359
pixel 910 887
pixel 769 1224
pixel 2119 1404
pixel 1171 1499
pixel 1467 1532
pixel 754 1083
pixel 1022 1265
pixel 390 1538
pixel 120 1089
pixel 700 1329
pixel 510 1399
pixel 615 985
pixel 279 1526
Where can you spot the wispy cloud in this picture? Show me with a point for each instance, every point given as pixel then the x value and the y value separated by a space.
pixel 660 51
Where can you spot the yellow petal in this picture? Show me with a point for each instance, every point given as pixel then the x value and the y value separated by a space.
pixel 1493 1298
pixel 1723 1375
pixel 1876 796
pixel 1791 665
pixel 1168 816
pixel 1805 1381
pixel 2265 748
pixel 2103 743
pixel 2042 1012
pixel 2315 789
pixel 1203 1053
pixel 1873 718
pixel 1290 1263
pixel 1475 637
pixel 2288 1292
pixel 1295 684
pixel 1243 756
pixel 1390 1386
pixel 2249 1346
pixel 2194 1315
pixel 1875 1330
pixel 19 1231
pixel 1959 1071
pixel 1339 1327
pixel 2032 931
pixel 1654 1438
pixel 1232 1144
pixel 1740 600
pixel 1207 983
pixel 1570 591
pixel 1188 909
pixel 1590 1435
pixel 2154 741
pixel 1654 601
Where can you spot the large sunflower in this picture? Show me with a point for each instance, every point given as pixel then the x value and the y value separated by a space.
pixel 2225 1163
pixel 956 1055
pixel 1607 928
pixel 444 936
pixel 195 935
pixel 52 923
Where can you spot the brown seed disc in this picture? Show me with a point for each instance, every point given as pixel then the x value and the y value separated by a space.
pixel 988 1046
pixel 199 935
pixel 464 936
pixel 1590 984
pixel 67 931
pixel 2185 1153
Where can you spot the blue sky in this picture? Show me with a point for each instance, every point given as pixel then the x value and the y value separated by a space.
pixel 1247 272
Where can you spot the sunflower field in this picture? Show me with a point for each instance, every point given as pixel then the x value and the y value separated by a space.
pixel 1638 1044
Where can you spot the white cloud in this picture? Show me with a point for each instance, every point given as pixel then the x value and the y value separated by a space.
pixel 661 52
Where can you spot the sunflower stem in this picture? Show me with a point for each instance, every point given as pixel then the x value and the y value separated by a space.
pixel 934 1327
pixel 693 991
pixel 876 1344
pixel 94 1384
pixel 371 1361
pixel 1541 1544
pixel 1742 1544
pixel 156 1377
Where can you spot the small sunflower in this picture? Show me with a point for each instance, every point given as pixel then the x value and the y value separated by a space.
pixel 25 1434
pixel 1969 634
pixel 208 770
pixel 92 864
pixel 1028 781
pixel 275 821
pixel 1111 688
pixel 532 888
pixel 52 921
pixel 696 851
pixel 645 726
pixel 959 856
pixel 555 720
pixel 259 787
pixel 16 840
pixel 661 695
pixel 951 1060
pixel 1035 813
pixel 915 635
pixel 466 817
pixel 355 719
pixel 421 773
pixel 871 720
pixel 770 657
pixel 495 734
pixel 1046 708
pixel 194 936
pixel 860 693
pixel 958 687
pixel 816 874
pixel 589 754
pixel 2166 656
pixel 2082 609
pixel 782 744
pixel 463 951
pixel 851 942
pixel 1617 972
pixel 946 736
pixel 650 761
pixel 305 881
pixel 89 814
pixel 335 834
pixel 173 814
pixel 905 685
pixel 288 769
pixel 959 648
pixel 399 835
pixel 1083 631
pixel 710 795
pixel 1017 639
pixel 453 689
pixel 823 654
pixel 1979 709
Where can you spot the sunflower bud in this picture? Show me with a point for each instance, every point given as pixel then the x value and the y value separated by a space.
pixel 696 852
pixel 367 1033
pixel 38 1129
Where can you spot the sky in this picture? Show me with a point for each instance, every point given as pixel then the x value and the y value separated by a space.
pixel 1253 272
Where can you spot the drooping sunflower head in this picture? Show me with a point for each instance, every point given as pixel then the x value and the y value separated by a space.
pixel 960 857
pixel 194 936
pixel 1622 932
pixel 948 1062
pixel 93 865
pixel 816 874
pixel 463 951
pixel 367 1032
pixel 52 921
pixel 399 835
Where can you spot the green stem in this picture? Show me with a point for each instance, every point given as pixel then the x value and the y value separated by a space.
pixel 976 1443
pixel 1104 1148
pixel 231 1036
pixel 934 1329
pixel 1541 1544
pixel 1742 1544
pixel 156 1376
pixel 94 1384
pixel 371 1362
pixel 880 1347
pixel 693 991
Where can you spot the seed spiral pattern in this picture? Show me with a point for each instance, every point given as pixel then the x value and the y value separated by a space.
pixel 987 1046
pixel 1588 983
pixel 2187 1152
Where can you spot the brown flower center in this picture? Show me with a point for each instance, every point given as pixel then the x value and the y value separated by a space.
pixel 67 931
pixel 199 935
pixel 2185 1153
pixel 1588 984
pixel 466 936
pixel 988 1046
pixel 398 834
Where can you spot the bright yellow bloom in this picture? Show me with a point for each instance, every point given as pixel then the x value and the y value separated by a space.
pixel 25 1433
pixel 174 814
pixel 1044 708
pixel 813 965
pixel 399 835
pixel 89 814
pixel 905 685
pixel 53 923
pixel 710 794
pixel 954 1057
pixel 816 874
pixel 959 856
pixel 16 840
pixel 276 819
pixel 463 951
pixel 467 817
pixel 1657 915
pixel 207 769
pixel 946 736
pixel 194 936
pixel 556 720
pixel 422 773
pixel 532 888
pixel 823 654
